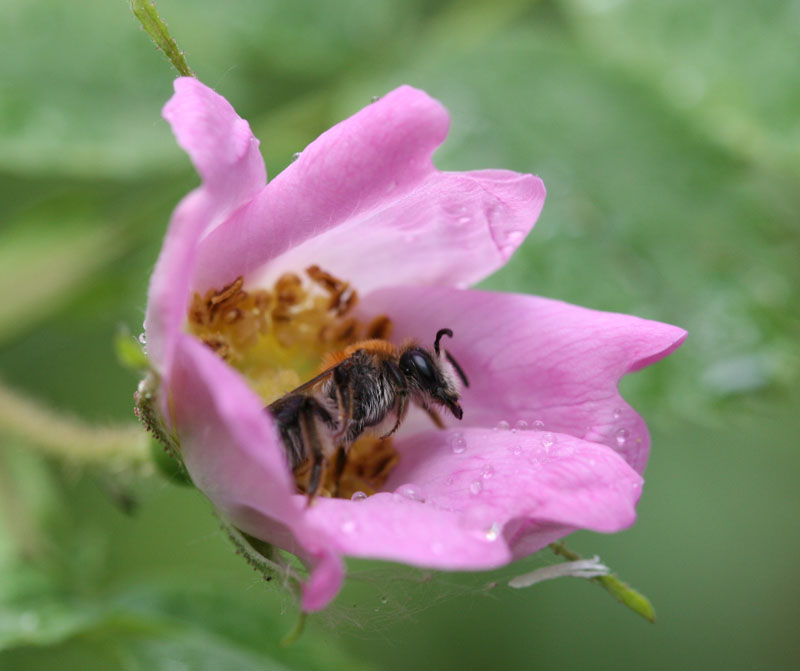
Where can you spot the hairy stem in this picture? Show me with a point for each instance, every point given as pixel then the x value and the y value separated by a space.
pixel 59 435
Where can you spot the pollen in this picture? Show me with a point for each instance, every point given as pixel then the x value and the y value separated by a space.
pixel 370 461
pixel 282 336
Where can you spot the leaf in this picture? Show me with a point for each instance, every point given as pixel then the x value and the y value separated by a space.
pixel 153 625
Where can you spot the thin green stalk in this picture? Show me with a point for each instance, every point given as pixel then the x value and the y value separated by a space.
pixel 56 434
pixel 155 26
pixel 622 592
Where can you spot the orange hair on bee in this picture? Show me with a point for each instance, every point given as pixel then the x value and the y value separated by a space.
pixel 375 345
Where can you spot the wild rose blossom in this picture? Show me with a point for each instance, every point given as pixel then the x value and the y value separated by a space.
pixel 546 445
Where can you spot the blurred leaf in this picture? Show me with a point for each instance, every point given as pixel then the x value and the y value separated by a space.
pixel 44 271
pixel 723 66
pixel 156 626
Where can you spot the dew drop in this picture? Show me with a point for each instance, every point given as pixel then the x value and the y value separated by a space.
pixel 493 532
pixel 475 487
pixel 548 439
pixel 296 155
pixel 348 527
pixel 374 99
pixel 384 600
pixel 521 425
pixel 617 413
pixel 538 425
pixel 457 443
pixel 411 492
pixel 142 339
pixel 502 425
pixel 622 437
pixel 514 236
pixel 487 472
pixel 358 496
pixel 516 450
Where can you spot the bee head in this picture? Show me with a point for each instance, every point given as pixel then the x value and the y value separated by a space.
pixel 435 375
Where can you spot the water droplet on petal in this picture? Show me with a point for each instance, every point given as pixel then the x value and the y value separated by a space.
pixel 538 425
pixel 622 437
pixel 358 496
pixel 374 99
pixel 384 600
pixel 516 450
pixel 296 155
pixel 521 425
pixel 548 439
pixel 142 339
pixel 617 413
pixel 457 443
pixel 475 487
pixel 514 237
pixel 493 532
pixel 411 492
pixel 487 472
pixel 502 425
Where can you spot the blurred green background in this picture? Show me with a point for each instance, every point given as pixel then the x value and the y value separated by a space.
pixel 668 136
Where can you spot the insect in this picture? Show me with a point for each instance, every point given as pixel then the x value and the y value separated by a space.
pixel 367 388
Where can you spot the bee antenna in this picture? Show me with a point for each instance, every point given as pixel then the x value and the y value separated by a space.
pixel 439 334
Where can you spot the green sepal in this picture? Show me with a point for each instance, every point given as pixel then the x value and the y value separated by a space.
pixel 168 466
pixel 129 351
pixel 621 591
pixel 627 596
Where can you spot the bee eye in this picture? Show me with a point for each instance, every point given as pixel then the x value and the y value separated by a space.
pixel 422 364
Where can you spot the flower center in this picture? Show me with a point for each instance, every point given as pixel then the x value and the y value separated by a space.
pixel 278 337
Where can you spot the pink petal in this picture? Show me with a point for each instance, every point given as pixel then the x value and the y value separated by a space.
pixel 452 229
pixel 226 155
pixel 234 456
pixel 366 195
pixel 222 147
pixel 533 359
pixel 472 510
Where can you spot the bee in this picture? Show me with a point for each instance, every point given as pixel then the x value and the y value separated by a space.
pixel 366 388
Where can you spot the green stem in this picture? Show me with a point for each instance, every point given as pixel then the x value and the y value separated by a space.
pixel 621 591
pixel 59 435
pixel 148 16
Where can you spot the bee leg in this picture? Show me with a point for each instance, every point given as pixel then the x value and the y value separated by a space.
pixel 309 428
pixel 434 417
pixel 402 407
pixel 344 399
pixel 393 372
pixel 340 460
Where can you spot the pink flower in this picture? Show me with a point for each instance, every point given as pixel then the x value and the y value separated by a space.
pixel 546 445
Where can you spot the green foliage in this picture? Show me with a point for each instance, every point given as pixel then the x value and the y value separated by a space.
pixel 667 136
